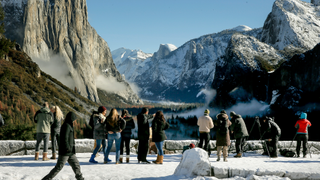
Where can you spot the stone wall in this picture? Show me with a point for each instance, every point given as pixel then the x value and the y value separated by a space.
pixel 18 148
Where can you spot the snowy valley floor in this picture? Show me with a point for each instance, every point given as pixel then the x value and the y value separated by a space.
pixel 24 167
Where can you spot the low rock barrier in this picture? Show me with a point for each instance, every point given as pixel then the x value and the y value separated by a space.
pixel 18 148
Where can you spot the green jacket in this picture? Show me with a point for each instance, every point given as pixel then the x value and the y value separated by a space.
pixel 44 119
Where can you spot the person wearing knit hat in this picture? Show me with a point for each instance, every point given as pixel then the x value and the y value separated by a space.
pixel 67 150
pixel 205 124
pixel 302 126
pixel 101 109
pixel 239 130
pixel 99 133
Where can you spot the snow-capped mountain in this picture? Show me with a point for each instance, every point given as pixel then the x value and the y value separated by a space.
pixel 292 23
pixel 202 63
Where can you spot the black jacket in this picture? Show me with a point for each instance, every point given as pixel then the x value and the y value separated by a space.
pixel 270 129
pixel 67 143
pixel 120 125
pixel 143 126
pixel 56 126
pixel 158 127
pixel 1 121
pixel 126 132
pixel 238 127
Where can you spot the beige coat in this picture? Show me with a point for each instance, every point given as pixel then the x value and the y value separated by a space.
pixel 205 123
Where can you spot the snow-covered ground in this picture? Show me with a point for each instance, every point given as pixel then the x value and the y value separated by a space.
pixel 24 167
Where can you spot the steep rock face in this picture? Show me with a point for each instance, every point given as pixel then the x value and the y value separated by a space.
pixel 292 23
pixel 241 75
pixel 61 27
pixel 296 82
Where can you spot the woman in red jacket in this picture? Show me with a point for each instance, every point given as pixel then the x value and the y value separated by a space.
pixel 302 126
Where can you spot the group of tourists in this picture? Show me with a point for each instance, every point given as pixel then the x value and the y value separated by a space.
pixel 269 131
pixel 114 127
pixel 118 128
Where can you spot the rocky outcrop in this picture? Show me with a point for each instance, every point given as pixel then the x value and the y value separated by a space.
pixel 243 72
pixel 296 82
pixel 45 28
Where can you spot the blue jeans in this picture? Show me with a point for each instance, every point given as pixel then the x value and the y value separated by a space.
pixel 159 146
pixel 114 137
pixel 99 142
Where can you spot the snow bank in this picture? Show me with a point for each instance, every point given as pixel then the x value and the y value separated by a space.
pixel 194 162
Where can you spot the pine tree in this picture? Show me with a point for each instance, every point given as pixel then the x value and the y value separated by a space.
pixel 1 20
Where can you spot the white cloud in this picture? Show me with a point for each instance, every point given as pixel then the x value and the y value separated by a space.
pixel 109 84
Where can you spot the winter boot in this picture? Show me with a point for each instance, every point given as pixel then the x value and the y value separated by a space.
pixel 225 159
pixel 45 156
pixel 218 159
pixel 120 159
pixel 157 159
pixel 239 155
pixel 53 156
pixel 160 161
pixel 36 156
pixel 92 159
pixel 128 157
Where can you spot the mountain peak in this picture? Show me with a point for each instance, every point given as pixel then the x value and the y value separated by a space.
pixel 242 28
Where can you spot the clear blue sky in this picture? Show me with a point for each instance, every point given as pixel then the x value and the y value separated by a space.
pixel 145 24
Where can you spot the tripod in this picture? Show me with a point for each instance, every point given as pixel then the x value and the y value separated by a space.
pixel 260 139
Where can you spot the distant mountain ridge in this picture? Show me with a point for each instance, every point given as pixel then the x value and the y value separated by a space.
pixel 202 63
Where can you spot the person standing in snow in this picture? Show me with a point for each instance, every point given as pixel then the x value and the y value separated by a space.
pixel 114 124
pixel 44 119
pixel 223 138
pixel 271 133
pixel 1 121
pixel 159 124
pixel 205 124
pixel 55 129
pixel 99 133
pixel 239 129
pixel 126 135
pixel 143 134
pixel 67 150
pixel 302 126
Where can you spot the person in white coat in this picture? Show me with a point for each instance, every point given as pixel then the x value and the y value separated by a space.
pixel 205 124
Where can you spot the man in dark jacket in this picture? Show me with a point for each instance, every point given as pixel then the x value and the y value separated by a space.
pixel 271 133
pixel 240 132
pixel 67 151
pixel 143 135
pixel 1 121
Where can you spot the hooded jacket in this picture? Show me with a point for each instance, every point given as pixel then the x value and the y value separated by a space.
pixel 44 119
pixel 238 126
pixel 67 143
pixel 126 132
pixel 302 124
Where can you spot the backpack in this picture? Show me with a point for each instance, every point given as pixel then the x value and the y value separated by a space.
pixel 222 126
pixel 287 153
pixel 91 123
